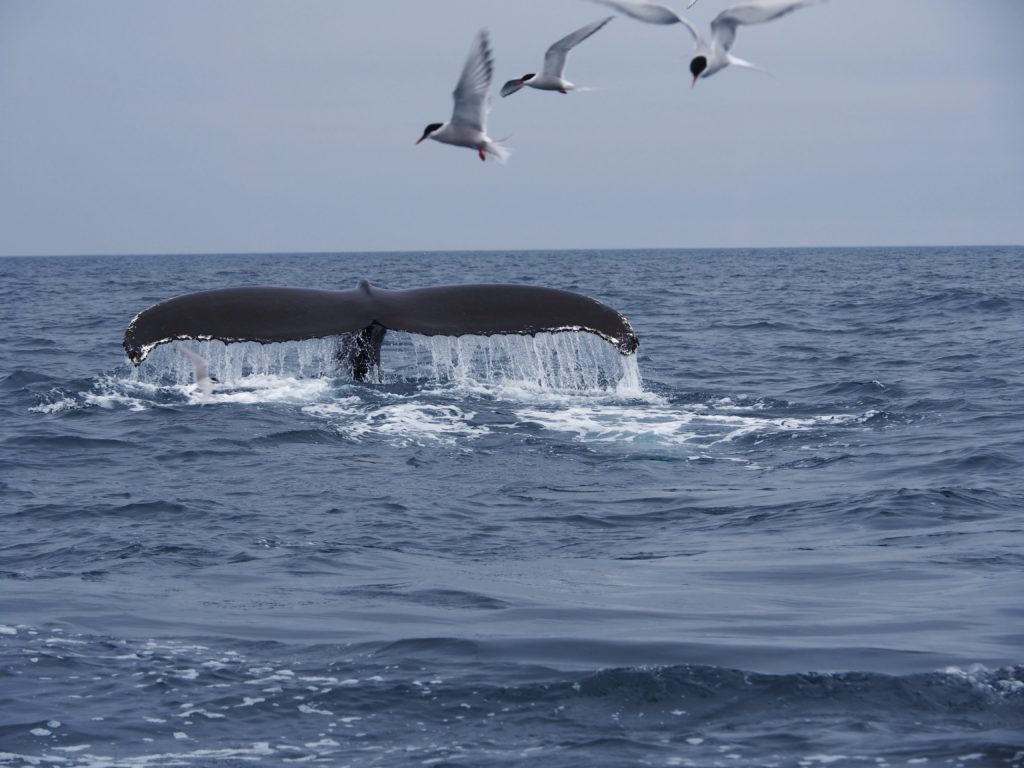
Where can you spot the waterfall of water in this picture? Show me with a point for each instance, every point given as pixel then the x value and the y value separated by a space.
pixel 232 363
pixel 557 362
pixel 575 362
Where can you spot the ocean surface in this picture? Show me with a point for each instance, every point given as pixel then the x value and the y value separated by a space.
pixel 789 532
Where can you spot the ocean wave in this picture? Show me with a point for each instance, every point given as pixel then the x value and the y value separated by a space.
pixel 183 701
pixel 783 539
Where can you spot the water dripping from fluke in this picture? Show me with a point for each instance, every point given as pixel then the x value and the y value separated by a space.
pixel 575 363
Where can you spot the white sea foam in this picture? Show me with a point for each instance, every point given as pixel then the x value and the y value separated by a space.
pixel 510 367
pixel 55 406
pixel 664 424
pixel 570 383
pixel 306 709
pixel 247 373
pixel 402 421
pixel 263 388
pixel 999 681
pixel 208 715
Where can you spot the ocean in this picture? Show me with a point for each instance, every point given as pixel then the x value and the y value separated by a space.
pixel 788 532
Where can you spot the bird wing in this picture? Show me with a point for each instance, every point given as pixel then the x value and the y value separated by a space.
pixel 511 87
pixel 652 13
pixel 723 27
pixel 472 94
pixel 554 59
pixel 203 380
pixel 202 370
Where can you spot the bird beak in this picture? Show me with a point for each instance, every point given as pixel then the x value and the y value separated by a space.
pixel 421 138
pixel 694 83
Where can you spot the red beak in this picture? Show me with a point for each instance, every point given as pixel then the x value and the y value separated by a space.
pixel 694 83
pixel 421 138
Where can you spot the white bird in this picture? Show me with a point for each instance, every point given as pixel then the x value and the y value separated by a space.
pixel 203 379
pixel 468 125
pixel 709 58
pixel 552 78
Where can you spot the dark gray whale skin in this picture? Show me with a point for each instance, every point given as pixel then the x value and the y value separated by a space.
pixel 268 315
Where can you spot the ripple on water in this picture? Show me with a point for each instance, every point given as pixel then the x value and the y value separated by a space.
pixel 184 702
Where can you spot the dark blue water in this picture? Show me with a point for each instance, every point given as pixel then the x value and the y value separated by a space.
pixel 798 542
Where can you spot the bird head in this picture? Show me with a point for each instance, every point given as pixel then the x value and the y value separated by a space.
pixel 429 130
pixel 697 66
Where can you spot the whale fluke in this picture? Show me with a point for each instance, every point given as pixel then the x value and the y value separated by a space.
pixel 364 314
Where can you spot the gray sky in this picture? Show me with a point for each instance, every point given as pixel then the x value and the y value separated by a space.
pixel 146 126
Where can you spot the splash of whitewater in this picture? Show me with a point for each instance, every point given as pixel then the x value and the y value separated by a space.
pixel 569 363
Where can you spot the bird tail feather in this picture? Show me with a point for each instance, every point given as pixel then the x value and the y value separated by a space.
pixel 498 151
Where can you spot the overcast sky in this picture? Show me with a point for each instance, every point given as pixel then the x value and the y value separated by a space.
pixel 160 126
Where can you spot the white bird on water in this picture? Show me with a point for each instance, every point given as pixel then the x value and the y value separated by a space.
pixel 709 58
pixel 552 78
pixel 468 124
pixel 204 381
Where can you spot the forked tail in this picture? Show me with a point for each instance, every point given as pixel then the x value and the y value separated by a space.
pixel 498 151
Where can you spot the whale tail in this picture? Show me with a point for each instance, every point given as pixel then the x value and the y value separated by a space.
pixel 363 315
pixel 360 352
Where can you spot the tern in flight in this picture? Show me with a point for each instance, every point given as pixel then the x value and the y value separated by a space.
pixel 204 381
pixel 552 78
pixel 709 58
pixel 468 124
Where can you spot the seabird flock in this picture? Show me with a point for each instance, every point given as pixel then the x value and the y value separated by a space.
pixel 467 126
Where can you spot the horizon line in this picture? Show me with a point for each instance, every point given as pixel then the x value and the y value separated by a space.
pixel 157 254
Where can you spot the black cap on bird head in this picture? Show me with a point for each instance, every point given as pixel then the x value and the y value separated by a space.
pixel 697 65
pixel 429 130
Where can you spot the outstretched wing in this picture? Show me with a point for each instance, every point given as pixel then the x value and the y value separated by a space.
pixel 652 13
pixel 512 86
pixel 292 314
pixel 200 365
pixel 554 59
pixel 723 27
pixel 203 380
pixel 472 94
